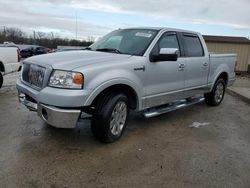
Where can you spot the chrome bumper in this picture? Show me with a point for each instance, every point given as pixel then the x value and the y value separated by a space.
pixel 56 117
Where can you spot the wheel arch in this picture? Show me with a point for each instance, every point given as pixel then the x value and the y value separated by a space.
pixel 130 91
pixel 224 75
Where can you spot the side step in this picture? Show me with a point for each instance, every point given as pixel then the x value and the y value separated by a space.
pixel 152 112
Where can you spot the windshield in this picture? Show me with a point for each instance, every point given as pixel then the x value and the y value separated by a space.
pixel 125 41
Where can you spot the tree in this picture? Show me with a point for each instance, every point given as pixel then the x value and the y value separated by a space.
pixel 51 39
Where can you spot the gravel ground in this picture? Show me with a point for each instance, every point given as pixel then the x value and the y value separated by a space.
pixel 159 152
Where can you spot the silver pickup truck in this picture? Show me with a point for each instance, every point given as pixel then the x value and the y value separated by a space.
pixel 151 70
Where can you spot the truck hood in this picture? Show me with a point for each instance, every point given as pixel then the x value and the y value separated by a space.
pixel 75 59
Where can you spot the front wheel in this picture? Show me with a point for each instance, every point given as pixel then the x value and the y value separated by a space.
pixel 110 117
pixel 1 79
pixel 215 97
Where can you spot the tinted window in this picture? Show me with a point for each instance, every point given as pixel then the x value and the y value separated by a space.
pixel 168 41
pixel 193 47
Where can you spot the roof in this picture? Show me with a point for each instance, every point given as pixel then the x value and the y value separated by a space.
pixel 163 29
pixel 226 39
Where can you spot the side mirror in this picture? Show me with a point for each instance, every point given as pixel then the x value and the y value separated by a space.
pixel 165 54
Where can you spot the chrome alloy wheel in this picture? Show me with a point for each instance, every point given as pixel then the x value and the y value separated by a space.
pixel 219 92
pixel 118 118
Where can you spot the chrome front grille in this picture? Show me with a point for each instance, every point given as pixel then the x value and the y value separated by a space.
pixel 33 74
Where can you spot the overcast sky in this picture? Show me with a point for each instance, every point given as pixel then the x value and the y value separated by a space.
pixel 97 17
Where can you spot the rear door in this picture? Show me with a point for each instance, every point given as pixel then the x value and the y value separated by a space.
pixel 196 65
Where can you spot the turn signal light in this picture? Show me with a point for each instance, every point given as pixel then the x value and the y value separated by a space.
pixel 78 78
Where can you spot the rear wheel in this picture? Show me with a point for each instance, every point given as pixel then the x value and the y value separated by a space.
pixel 1 79
pixel 110 117
pixel 215 97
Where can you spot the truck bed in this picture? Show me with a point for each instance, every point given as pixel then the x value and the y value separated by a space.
pixel 220 62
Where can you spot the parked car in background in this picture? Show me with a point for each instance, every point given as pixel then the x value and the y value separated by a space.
pixel 9 43
pixel 152 70
pixel 40 50
pixel 28 52
pixel 9 61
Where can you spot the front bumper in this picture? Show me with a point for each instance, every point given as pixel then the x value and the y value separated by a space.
pixel 62 98
pixel 58 107
pixel 56 117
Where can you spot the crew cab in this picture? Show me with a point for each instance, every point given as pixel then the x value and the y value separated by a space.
pixel 151 70
pixel 9 61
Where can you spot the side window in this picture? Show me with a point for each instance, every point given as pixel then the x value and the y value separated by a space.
pixel 169 41
pixel 166 41
pixel 193 46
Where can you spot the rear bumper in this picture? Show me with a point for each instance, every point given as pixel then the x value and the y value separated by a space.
pixel 56 117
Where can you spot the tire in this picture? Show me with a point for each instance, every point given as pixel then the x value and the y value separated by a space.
pixel 108 121
pixel 215 97
pixel 1 80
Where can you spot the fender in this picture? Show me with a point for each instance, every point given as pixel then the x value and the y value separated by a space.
pixel 99 80
pixel 113 82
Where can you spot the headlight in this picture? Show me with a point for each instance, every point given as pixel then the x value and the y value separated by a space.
pixel 66 79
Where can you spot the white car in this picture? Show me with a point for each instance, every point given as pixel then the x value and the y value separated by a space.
pixel 7 43
pixel 9 61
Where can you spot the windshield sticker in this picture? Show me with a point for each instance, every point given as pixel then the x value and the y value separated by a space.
pixel 147 35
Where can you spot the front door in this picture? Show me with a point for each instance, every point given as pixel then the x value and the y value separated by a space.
pixel 165 79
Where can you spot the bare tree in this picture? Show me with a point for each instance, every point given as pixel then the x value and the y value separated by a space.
pixel 40 35
pixel 51 39
pixel 91 39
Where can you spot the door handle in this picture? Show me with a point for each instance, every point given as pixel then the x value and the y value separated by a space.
pixel 205 64
pixel 140 68
pixel 181 66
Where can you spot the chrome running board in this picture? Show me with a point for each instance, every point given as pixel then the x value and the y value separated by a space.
pixel 152 112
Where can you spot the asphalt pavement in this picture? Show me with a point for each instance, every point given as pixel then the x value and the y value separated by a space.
pixel 165 151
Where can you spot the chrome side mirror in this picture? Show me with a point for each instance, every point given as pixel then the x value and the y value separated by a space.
pixel 166 54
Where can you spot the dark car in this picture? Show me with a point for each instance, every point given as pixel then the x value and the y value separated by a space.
pixel 28 52
pixel 40 50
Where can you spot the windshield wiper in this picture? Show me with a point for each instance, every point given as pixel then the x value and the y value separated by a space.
pixel 109 50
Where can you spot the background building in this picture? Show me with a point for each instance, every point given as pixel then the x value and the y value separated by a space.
pixel 238 45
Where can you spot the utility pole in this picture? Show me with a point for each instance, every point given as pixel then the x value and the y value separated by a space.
pixel 76 25
pixel 34 35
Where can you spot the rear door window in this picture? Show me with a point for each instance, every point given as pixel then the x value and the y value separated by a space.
pixel 193 46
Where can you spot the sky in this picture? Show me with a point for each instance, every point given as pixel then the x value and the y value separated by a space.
pixel 80 19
